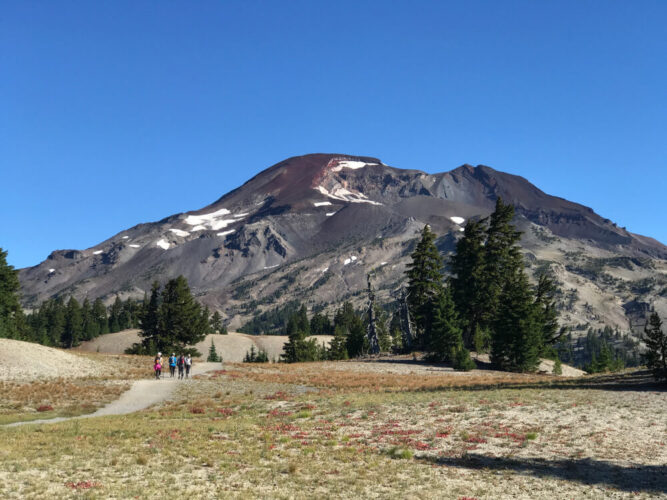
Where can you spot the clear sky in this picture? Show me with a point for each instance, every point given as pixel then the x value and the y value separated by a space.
pixel 114 113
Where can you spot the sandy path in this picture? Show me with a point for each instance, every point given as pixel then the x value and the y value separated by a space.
pixel 142 395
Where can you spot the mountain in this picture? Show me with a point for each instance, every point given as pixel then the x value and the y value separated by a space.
pixel 311 227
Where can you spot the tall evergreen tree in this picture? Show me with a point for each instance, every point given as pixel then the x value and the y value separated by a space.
pixel 338 344
pixel 547 314
pixel 501 258
pixel 90 326
pixel 180 319
pixel 73 330
pixel 467 282
pixel 150 321
pixel 100 316
pixel 424 275
pixel 656 347
pixel 216 323
pixel 114 315
pixel 517 337
pixel 10 309
pixel 446 332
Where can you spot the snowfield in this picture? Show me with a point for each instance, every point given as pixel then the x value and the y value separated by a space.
pixel 163 244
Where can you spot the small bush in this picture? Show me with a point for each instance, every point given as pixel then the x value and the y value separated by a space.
pixel 462 360
pixel 400 453
pixel 531 435
pixel 558 367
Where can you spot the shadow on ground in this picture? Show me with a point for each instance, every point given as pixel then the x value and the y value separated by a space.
pixel 633 381
pixel 631 478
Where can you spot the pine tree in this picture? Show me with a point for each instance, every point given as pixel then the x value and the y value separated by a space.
pixel 395 333
pixel 656 347
pixel 11 314
pixel 90 326
pixel 320 324
pixel 467 267
pixel 114 315
pixel 517 340
pixel 216 324
pixel 100 316
pixel 149 322
pixel 213 354
pixel 357 340
pixel 424 275
pixel 73 330
pixel 181 322
pixel 445 333
pixel 501 259
pixel 547 314
pixel 337 346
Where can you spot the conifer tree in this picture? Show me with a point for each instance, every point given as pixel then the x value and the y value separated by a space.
pixel 395 333
pixel 656 347
pixel 467 267
pixel 517 340
pixel 213 354
pixel 337 346
pixel 90 326
pixel 100 316
pixel 424 275
pixel 320 324
pixel 150 321
pixel 216 323
pixel 73 330
pixel 181 322
pixel 114 315
pixel 11 314
pixel 445 332
pixel 501 258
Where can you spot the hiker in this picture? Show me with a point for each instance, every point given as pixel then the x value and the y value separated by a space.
pixel 188 365
pixel 157 366
pixel 181 365
pixel 172 364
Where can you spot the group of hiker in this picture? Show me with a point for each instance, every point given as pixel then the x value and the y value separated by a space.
pixel 182 362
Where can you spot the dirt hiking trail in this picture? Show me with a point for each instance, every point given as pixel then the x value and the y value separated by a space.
pixel 143 394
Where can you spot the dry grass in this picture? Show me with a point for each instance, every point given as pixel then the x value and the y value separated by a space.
pixel 234 434
pixel 331 375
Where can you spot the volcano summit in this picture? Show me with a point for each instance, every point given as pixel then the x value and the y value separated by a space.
pixel 311 228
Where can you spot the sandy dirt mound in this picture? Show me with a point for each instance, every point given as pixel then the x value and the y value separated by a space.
pixel 232 347
pixel 112 343
pixel 545 366
pixel 27 361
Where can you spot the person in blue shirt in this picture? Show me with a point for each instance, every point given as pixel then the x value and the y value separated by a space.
pixel 172 364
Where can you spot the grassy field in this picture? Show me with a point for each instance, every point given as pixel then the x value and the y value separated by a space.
pixel 318 431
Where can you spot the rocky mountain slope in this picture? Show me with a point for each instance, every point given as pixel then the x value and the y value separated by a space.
pixel 311 227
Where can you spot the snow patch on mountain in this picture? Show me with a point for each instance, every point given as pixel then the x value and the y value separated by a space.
pixel 342 194
pixel 271 267
pixel 349 260
pixel 125 237
pixel 135 246
pixel 163 244
pixel 225 233
pixel 457 220
pixel 322 203
pixel 179 232
pixel 51 271
pixel 329 214
pixel 353 165
pixel 213 221
pixel 97 252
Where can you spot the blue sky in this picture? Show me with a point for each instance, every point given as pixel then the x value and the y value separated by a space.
pixel 114 113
